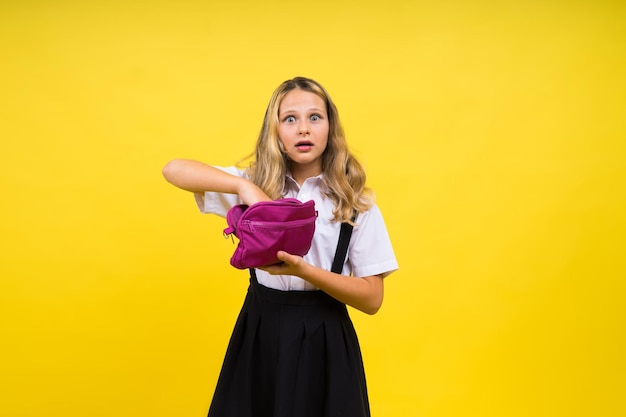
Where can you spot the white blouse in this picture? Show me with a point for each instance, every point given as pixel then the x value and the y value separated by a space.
pixel 369 252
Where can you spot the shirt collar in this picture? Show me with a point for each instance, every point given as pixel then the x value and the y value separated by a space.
pixel 290 182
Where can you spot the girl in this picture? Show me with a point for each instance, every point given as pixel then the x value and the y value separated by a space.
pixel 294 351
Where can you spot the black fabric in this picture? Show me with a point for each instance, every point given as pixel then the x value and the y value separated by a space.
pixel 291 354
pixel 342 246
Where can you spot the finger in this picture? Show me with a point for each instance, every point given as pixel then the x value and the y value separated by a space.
pixel 274 268
pixel 285 256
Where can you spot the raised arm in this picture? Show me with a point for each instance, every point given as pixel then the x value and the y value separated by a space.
pixel 198 177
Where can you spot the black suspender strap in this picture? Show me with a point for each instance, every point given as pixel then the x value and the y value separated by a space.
pixel 342 246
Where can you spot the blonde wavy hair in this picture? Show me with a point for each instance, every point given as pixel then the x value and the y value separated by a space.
pixel 344 177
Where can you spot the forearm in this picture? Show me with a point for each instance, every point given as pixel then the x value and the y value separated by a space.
pixel 197 177
pixel 364 294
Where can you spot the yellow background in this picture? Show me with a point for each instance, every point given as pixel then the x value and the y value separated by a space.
pixel 493 133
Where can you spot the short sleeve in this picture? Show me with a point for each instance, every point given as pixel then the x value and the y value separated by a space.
pixel 370 251
pixel 210 202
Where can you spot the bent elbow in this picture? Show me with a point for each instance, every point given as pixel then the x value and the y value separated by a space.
pixel 176 173
pixel 371 310
pixel 375 299
pixel 373 307
pixel 170 169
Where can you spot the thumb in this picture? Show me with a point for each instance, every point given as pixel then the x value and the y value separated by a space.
pixel 285 257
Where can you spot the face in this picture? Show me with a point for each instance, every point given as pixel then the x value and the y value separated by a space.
pixel 303 130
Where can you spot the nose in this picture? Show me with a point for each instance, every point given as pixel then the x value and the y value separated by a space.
pixel 303 127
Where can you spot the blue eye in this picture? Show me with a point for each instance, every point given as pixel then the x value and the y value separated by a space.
pixel 315 117
pixel 290 119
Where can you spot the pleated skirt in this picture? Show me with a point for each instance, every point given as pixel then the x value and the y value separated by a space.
pixel 291 354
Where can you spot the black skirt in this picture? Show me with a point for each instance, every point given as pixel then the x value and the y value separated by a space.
pixel 291 354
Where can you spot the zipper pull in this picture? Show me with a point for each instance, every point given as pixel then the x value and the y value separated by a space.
pixel 229 232
pixel 249 225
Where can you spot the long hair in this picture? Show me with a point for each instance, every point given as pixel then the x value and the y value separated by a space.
pixel 343 175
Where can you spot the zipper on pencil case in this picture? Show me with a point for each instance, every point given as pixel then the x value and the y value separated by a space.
pixel 288 224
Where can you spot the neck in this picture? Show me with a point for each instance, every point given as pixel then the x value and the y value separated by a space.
pixel 300 173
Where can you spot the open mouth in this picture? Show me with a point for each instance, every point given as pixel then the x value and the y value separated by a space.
pixel 304 144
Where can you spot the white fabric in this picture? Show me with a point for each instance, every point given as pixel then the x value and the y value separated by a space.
pixel 369 253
